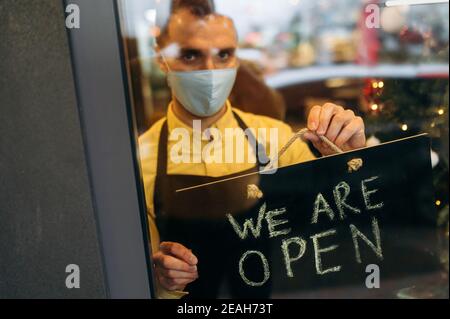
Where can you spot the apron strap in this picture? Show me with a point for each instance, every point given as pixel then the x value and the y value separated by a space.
pixel 162 150
pixel 161 167
pixel 161 171
pixel 260 151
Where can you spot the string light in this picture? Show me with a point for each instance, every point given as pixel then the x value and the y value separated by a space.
pixel 441 112
pixel 404 127
pixel 438 203
pixel 374 107
pixel 381 84
pixel 375 85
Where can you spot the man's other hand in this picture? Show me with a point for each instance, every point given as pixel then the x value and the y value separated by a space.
pixel 175 266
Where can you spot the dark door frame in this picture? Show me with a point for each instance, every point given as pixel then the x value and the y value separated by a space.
pixel 110 144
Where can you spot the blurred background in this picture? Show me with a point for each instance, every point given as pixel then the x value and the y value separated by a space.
pixel 387 63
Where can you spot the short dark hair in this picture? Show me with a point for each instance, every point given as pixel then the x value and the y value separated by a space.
pixel 198 8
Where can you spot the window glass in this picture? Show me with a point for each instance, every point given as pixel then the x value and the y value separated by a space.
pixel 197 68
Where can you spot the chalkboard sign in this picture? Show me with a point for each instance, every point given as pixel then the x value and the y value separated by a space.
pixel 330 222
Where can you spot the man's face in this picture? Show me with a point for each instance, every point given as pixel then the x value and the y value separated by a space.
pixel 200 43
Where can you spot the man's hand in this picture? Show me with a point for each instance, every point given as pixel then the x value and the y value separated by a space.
pixel 340 126
pixel 175 266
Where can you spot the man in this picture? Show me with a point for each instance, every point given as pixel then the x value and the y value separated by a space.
pixel 198 53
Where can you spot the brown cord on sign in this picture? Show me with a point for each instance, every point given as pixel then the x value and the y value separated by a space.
pixel 299 135
pixel 353 165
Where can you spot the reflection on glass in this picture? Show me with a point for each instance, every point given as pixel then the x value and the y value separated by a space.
pixel 437 288
pixel 387 64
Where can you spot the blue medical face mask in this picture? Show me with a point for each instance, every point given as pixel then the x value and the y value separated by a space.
pixel 202 93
